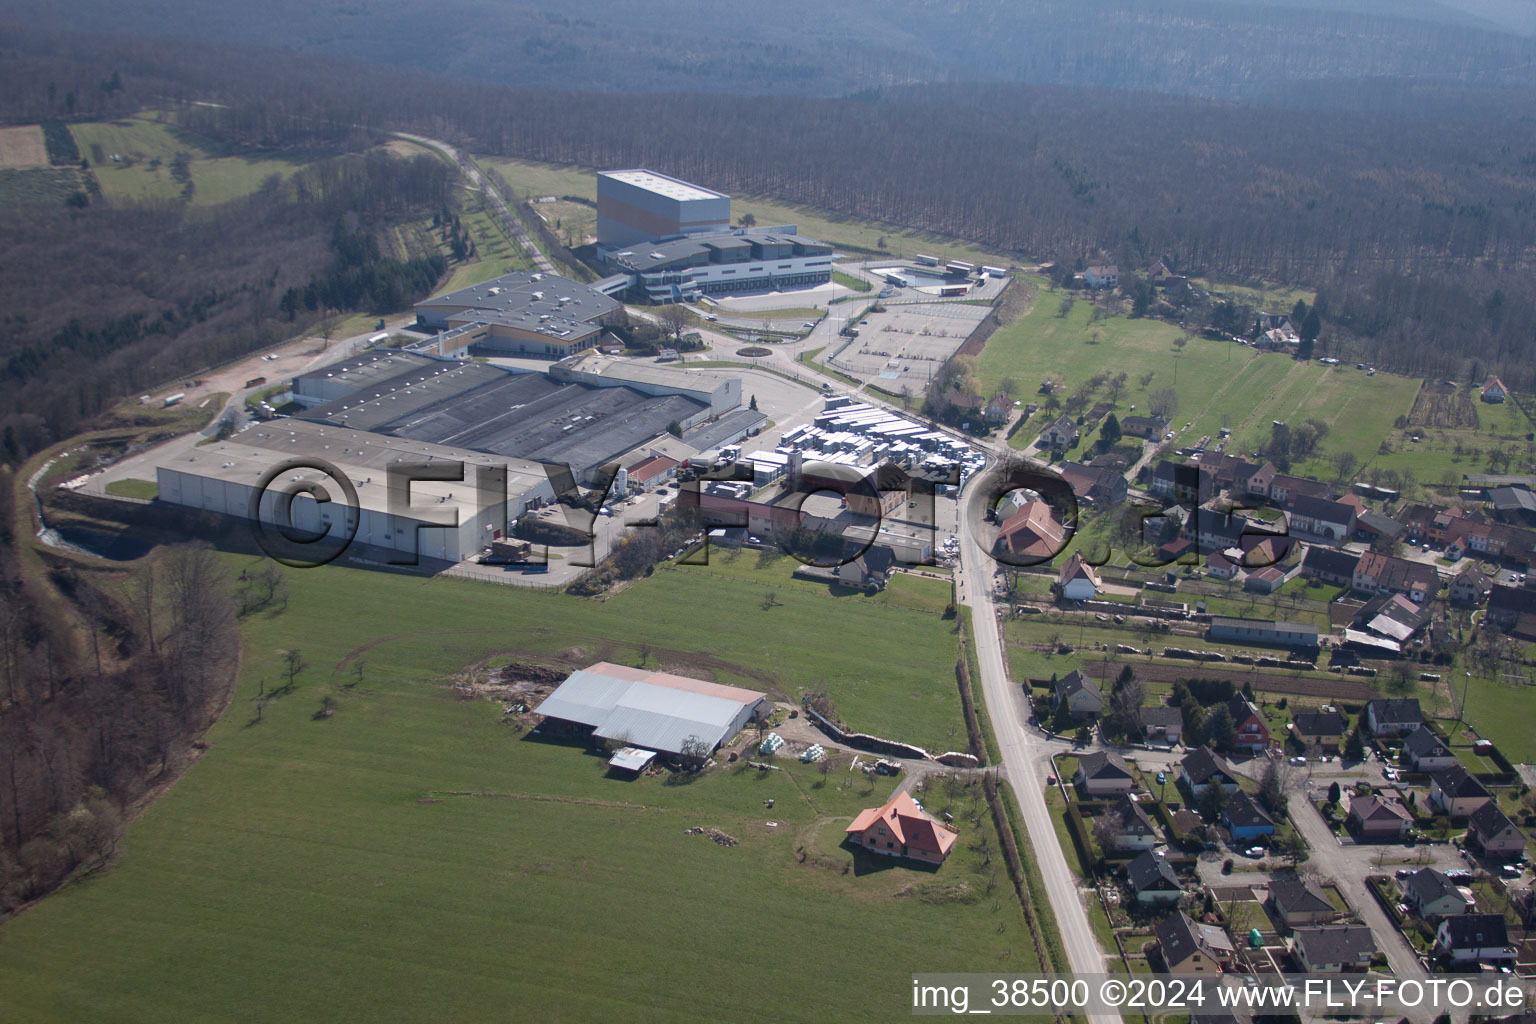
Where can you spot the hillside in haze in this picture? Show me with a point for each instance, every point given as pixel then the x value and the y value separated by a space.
pixel 1227 49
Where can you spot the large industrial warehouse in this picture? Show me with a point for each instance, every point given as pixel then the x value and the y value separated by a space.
pixel 654 711
pixel 638 206
pixel 223 477
pixel 521 313
pixel 520 415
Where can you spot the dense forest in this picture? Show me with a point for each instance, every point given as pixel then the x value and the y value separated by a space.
pixel 103 302
pixel 1217 48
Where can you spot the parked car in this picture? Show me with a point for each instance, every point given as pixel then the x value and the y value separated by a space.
pixel 1255 852
pixel 1298 760
pixel 1511 871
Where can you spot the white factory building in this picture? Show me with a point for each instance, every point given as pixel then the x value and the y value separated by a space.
pixel 639 206
pixel 437 520
pixel 654 711
pixel 721 392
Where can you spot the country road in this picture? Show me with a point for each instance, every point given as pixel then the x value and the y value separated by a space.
pixel 498 203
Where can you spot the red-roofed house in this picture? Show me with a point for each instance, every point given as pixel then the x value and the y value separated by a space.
pixel 903 829
pixel 1494 390
pixel 651 473
pixel 1032 532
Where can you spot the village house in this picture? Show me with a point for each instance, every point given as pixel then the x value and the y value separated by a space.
pixel 1060 433
pixel 1136 830
pixel 1077 580
pixel 1491 831
pixel 1102 275
pixel 1474 939
pixel 1153 880
pixel 1191 947
pixel 1320 517
pixel 1471 587
pixel 1300 901
pixel 1376 573
pixel 1245 819
pixel 1431 895
pixel 1494 390
pixel 1202 768
pixel 1094 483
pixel 1149 428
pixel 1031 535
pixel 1334 948
pixel 1220 566
pixel 1393 716
pixel 1162 724
pixel 1188 483
pixel 900 828
pixel 1456 792
pixel 1250 732
pixel 1378 818
pixel 1318 730
pixel 1082 695
pixel 1330 565
pixel 1423 751
pixel 1103 773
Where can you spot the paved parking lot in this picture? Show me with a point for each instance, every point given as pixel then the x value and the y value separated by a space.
pixel 908 343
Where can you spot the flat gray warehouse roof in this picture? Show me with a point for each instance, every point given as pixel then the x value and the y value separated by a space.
pixel 524 292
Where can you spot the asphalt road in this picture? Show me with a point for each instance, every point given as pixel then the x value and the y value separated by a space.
pixel 1024 752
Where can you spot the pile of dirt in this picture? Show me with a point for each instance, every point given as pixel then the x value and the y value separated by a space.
pixel 716 836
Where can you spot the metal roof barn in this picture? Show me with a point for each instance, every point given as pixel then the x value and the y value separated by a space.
pixel 652 710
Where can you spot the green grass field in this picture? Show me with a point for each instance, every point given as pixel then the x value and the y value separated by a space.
pixel 146 489
pixel 1219 384
pixel 148 147
pixel 415 858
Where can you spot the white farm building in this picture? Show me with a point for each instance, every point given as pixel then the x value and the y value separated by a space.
pixel 650 710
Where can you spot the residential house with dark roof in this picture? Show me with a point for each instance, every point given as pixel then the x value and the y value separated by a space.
pixel 1431 895
pixel 1513 609
pixel 1153 880
pixel 1103 773
pixel 1491 831
pixel 1060 433
pixel 1285 489
pixel 1186 482
pixel 1456 791
pixel 1330 565
pixel 1392 616
pixel 1474 939
pixel 1191 947
pixel 1371 527
pixel 1097 484
pixel 1375 817
pixel 1221 567
pixel 1300 901
pixel 1081 694
pixel 1136 830
pixel 1424 751
pixel 1393 716
pixel 1471 587
pixel 1163 724
pixel 1321 517
pixel 1203 767
pixel 1318 730
pixel 1101 275
pixel 1376 573
pixel 1245 819
pixel 1334 948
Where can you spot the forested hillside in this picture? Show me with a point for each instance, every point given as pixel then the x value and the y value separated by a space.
pixel 1218 48
pixel 1417 220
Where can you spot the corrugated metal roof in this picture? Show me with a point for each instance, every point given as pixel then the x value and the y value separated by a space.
pixel 657 710
pixel 585 697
